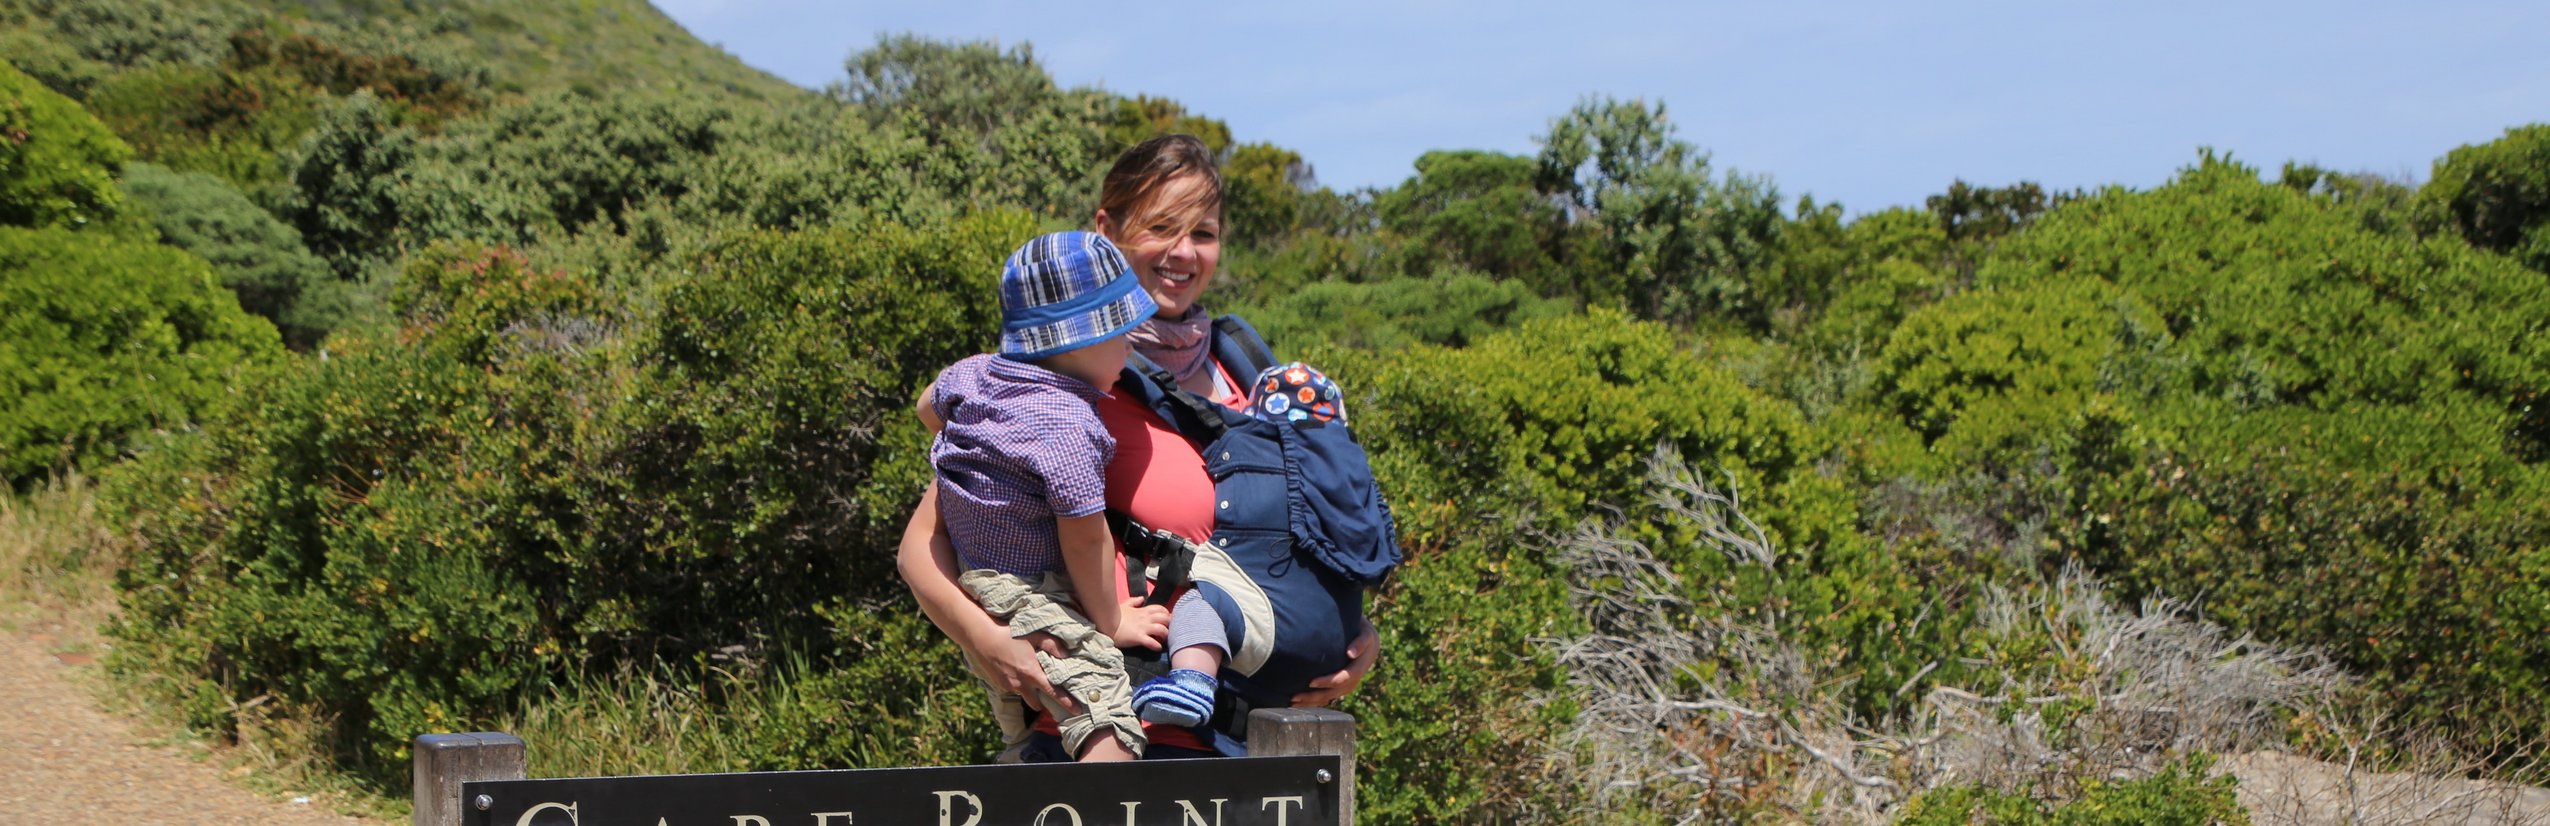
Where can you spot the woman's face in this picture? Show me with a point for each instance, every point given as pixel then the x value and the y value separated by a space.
pixel 1175 254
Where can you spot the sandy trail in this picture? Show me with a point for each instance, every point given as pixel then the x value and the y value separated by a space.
pixel 62 760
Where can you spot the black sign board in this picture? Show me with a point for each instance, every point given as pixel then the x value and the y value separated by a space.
pixel 1276 791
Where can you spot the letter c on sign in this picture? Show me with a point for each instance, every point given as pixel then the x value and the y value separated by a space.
pixel 569 808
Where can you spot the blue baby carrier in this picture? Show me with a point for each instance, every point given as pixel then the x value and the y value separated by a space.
pixel 1299 531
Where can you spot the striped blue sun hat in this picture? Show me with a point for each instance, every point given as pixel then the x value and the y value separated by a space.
pixel 1065 291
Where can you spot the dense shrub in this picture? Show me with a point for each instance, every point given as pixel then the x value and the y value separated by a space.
pixel 1451 309
pixel 1486 451
pixel 1993 376
pixel 2180 795
pixel 345 183
pixel 524 481
pixel 259 258
pixel 2274 298
pixel 2496 195
pixel 198 119
pixel 2317 430
pixel 139 33
pixel 57 164
pixel 103 337
pixel 2366 532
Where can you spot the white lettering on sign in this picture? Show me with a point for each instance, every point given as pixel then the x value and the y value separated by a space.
pixel 569 808
pixel 1282 817
pixel 825 818
pixel 751 820
pixel 1066 809
pixel 947 801
pixel 1196 817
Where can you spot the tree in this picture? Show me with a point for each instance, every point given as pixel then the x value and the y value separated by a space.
pixel 1004 134
pixel 1680 244
pixel 1143 117
pixel 1262 187
pixel 1978 213
pixel 1478 210
pixel 2496 195
pixel 343 192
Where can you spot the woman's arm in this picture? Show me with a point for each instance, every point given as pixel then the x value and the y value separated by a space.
pixel 928 564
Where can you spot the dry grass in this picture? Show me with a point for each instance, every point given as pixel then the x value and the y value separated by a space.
pixel 57 564
pixel 1694 718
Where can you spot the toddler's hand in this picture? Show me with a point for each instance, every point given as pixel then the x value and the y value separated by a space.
pixel 1141 626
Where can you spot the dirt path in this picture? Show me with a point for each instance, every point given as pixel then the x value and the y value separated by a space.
pixel 64 761
pixel 2280 789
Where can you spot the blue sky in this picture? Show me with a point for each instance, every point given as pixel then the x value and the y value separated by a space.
pixel 1871 104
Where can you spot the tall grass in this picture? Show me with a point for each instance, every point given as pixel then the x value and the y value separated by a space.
pixel 57 562
pixel 661 720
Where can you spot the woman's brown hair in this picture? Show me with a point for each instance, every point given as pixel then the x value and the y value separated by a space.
pixel 1127 194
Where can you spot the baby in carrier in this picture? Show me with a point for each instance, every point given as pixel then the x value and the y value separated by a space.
pixel 1300 531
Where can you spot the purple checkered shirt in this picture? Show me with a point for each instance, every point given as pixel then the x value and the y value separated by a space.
pixel 1022 446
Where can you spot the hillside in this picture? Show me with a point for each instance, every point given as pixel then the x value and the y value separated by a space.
pixel 542 369
pixel 589 44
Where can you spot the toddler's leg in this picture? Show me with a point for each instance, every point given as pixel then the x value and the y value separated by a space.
pixel 1182 697
pixel 1093 675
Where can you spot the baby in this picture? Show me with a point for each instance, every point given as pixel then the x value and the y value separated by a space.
pixel 1299 533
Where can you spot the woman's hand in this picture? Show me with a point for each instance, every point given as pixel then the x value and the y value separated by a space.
pixel 1010 664
pixel 1363 653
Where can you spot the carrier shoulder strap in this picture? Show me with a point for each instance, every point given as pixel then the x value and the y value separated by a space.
pixel 1194 417
pixel 1240 349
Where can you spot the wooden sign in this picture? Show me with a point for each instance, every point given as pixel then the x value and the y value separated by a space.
pixel 1274 791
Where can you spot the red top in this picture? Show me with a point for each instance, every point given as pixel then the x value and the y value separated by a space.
pixel 1158 478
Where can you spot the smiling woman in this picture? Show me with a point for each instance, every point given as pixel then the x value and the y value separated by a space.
pixel 1169 195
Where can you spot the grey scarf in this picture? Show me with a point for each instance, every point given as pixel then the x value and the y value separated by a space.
pixel 1182 346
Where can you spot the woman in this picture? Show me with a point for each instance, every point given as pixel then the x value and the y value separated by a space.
pixel 1161 203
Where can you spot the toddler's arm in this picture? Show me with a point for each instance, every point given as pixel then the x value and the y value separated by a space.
pixel 928 409
pixel 1088 551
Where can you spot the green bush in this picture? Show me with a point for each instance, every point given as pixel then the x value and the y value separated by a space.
pixel 2179 795
pixel 2496 195
pixel 2274 298
pixel 260 259
pixel 140 33
pixel 1992 376
pixel 102 338
pixel 198 119
pixel 1451 309
pixel 2321 432
pixel 1485 451
pixel 345 184
pixel 57 164
pixel 524 482
pixel 2370 532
